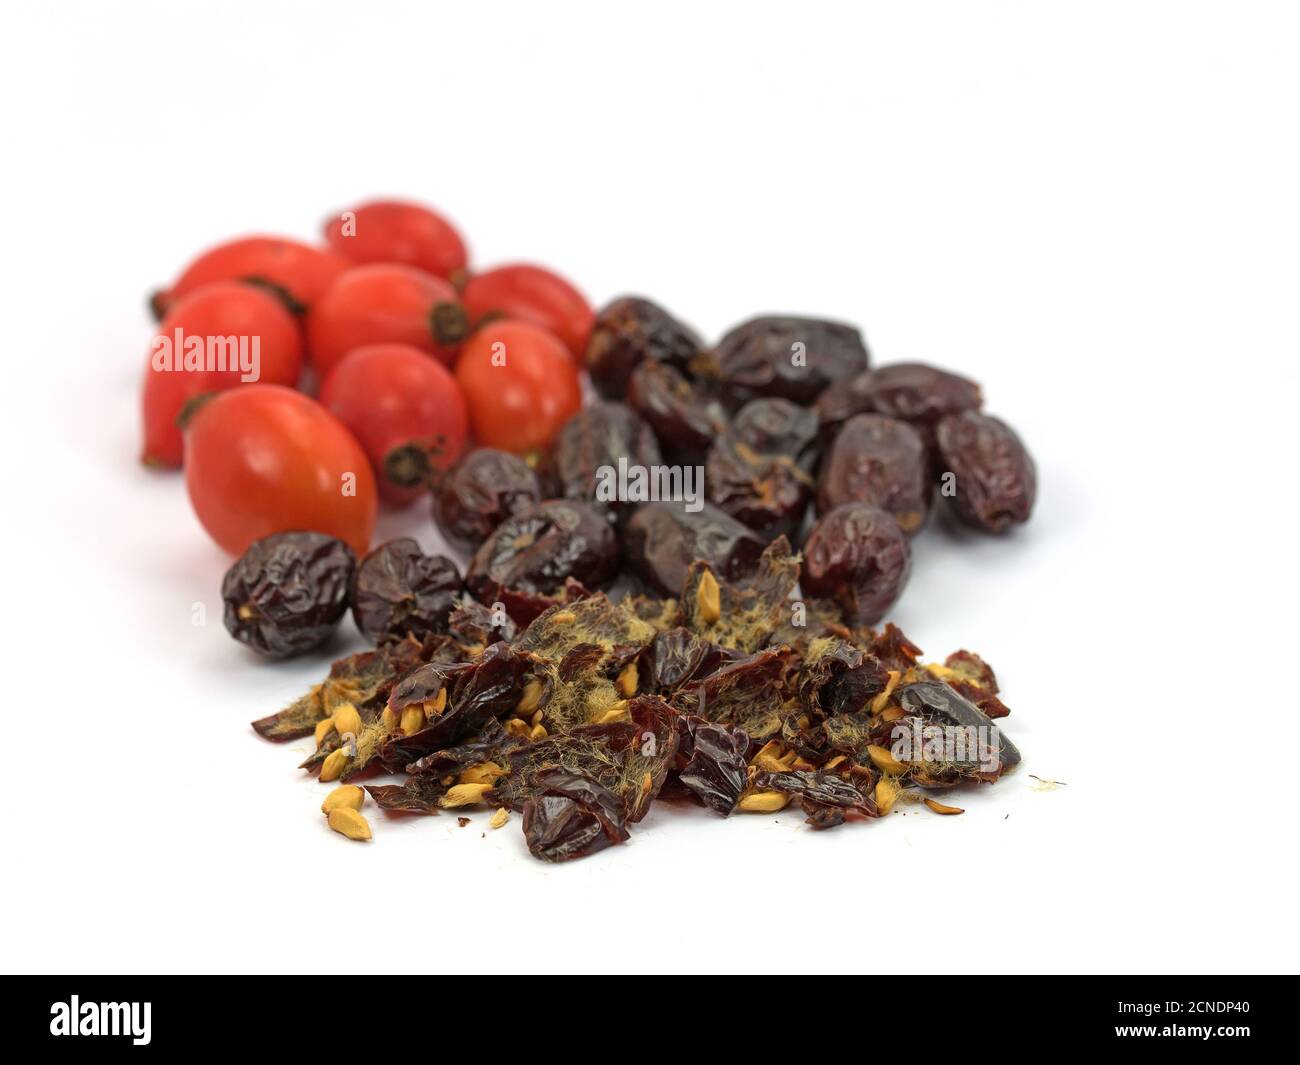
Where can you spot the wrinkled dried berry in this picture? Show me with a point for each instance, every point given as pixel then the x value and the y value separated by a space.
pixel 661 540
pixel 526 561
pixel 911 391
pixel 767 492
pixel 787 357
pixel 287 593
pixel 591 446
pixel 993 478
pixel 684 422
pixel 480 492
pixel 881 461
pixel 857 555
pixel 397 590
pixel 631 331
pixel 779 427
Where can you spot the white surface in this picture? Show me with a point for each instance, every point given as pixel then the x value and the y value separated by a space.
pixel 1091 208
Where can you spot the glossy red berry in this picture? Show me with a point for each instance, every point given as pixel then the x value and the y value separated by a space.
pixel 385 303
pixel 531 294
pixel 389 231
pixel 406 411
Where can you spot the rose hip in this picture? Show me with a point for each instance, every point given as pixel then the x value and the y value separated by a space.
pixel 297 273
pixel 881 461
pixel 531 294
pixel 230 322
pixel 385 303
pixel 398 590
pixel 390 231
pixel 993 477
pixel 405 409
pixel 481 491
pixel 630 331
pixel 858 556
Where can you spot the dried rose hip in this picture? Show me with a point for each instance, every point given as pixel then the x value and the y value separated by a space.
pixel 590 447
pixel 993 477
pixel 769 493
pixel 911 391
pixel 480 492
pixel 779 427
pixel 526 561
pixel 791 358
pixel 857 555
pixel 398 590
pixel 881 461
pixel 661 540
pixel 287 592
pixel 684 421
pixel 631 331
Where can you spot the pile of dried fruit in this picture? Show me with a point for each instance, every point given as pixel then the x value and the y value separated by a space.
pixel 679 492
pixel 593 711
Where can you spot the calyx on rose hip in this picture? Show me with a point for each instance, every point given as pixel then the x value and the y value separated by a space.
pixel 593 652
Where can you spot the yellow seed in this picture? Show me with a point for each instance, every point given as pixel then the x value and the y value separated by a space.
pixel 763 802
pixel 483 773
pixel 617 712
pixel 837 760
pixel 435 706
pixel 536 719
pixel 647 784
pixel 803 765
pixel 564 617
pixel 390 719
pixel 627 680
pixel 348 795
pixel 500 818
pixel 333 766
pixel 708 598
pixel 515 727
pixel 883 760
pixel 880 701
pixel 464 794
pixel 538 733
pixel 347 719
pixel 412 720
pixel 892 713
pixel 323 729
pixel 887 792
pixel 346 821
pixel 940 808
pixel 530 699
pixel 942 672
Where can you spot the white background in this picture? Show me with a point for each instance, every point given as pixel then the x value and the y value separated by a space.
pixel 1092 208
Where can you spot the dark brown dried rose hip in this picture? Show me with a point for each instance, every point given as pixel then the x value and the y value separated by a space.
pixel 480 492
pixel 287 592
pixel 528 558
pixel 992 477
pixel 683 420
pixel 858 556
pixel 769 493
pixel 881 461
pixel 397 589
pixel 786 357
pixel 661 540
pixel 779 427
pixel 911 391
pixel 631 331
pixel 595 440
